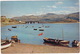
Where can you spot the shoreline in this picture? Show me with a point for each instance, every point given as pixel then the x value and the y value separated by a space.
pixel 31 48
pixel 2 25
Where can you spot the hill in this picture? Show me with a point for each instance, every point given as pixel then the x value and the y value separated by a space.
pixel 50 17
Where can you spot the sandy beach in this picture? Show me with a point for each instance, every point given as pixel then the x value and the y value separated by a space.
pixel 30 48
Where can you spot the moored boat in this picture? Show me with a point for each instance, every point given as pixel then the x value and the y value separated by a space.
pixel 9 29
pixel 46 26
pixel 35 29
pixel 14 26
pixel 41 29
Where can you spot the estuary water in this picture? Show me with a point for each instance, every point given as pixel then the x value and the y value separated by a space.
pixel 27 34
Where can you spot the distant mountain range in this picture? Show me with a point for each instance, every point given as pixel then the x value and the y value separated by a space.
pixel 51 17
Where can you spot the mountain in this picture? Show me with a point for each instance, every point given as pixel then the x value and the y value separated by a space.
pixel 74 16
pixel 51 17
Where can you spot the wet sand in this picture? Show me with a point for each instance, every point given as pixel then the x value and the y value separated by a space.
pixel 30 48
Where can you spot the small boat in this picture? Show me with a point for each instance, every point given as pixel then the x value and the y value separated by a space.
pixel 35 29
pixel 9 29
pixel 41 29
pixel 56 41
pixel 75 43
pixel 46 26
pixel 26 26
pixel 14 26
pixel 15 39
pixel 5 44
pixel 32 26
pixel 64 42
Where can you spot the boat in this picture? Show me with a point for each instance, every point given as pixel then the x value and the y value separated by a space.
pixel 56 41
pixel 41 29
pixel 15 38
pixel 9 29
pixel 46 26
pixel 35 29
pixel 64 42
pixel 5 44
pixel 75 43
pixel 14 26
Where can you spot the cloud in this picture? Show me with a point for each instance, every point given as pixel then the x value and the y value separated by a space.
pixel 72 8
pixel 77 3
pixel 59 3
pixel 63 12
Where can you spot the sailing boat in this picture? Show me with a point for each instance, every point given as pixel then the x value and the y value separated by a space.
pixel 57 41
pixel 64 42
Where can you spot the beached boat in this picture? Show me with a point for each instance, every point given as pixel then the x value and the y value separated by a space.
pixel 5 44
pixel 56 41
pixel 75 43
pixel 15 38
pixel 64 42
pixel 14 26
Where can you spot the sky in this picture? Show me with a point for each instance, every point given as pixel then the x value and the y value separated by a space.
pixel 19 8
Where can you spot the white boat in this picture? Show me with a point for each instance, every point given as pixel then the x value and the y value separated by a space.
pixel 5 45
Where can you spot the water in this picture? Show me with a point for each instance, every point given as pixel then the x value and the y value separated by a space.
pixel 30 36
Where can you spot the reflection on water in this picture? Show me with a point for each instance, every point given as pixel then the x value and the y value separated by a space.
pixel 27 34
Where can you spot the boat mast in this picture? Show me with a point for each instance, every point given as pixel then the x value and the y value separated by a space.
pixel 62 34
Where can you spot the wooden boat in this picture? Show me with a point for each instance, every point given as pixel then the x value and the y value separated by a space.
pixel 75 43
pixel 9 29
pixel 64 42
pixel 46 26
pixel 5 44
pixel 56 41
pixel 15 38
pixel 41 29
pixel 35 29
pixel 14 26
pixel 49 40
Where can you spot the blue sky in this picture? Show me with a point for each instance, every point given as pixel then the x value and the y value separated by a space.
pixel 20 8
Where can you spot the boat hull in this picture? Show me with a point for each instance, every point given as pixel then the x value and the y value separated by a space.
pixel 5 45
pixel 55 41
